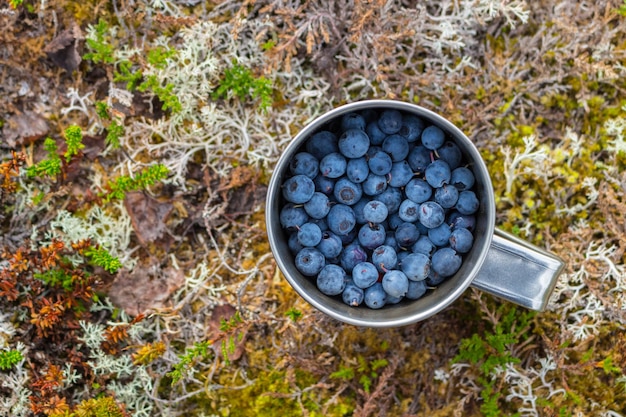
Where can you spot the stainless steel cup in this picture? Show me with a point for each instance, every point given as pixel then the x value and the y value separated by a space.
pixel 498 263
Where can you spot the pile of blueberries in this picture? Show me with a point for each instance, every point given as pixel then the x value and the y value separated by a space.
pixel 379 207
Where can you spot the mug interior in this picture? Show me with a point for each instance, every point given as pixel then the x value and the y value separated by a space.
pixel 407 311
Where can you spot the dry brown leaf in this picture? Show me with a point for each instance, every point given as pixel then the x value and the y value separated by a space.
pixel 146 288
pixel 147 215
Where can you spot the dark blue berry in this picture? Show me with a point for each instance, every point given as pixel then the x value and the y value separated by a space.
pixel 375 211
pixel 397 147
pixel 352 121
pixel 418 190
pixel 353 143
pixel 341 219
pixel 318 206
pixel 437 173
pixel 364 274
pixel 357 170
pixel 461 240
pixel 416 290
pixel 431 214
pixel 409 211
pixel 416 266
pixel 400 174
pixel 352 295
pixel 292 216
pixel 379 162
pixel 395 283
pixel 298 189
pixel 467 203
pixel 321 144
pixel 351 255
pixel 446 196
pixel 384 258
pixel 333 165
pixel 371 236
pixel 439 235
pixel 309 234
pixel 432 137
pixel 419 158
pixel 374 184
pixel 309 261
pixel 347 192
pixel 331 279
pixel 374 296
pixel 446 262
pixel 462 178
pixel 412 127
pixel 330 245
pixel 390 121
pixel 304 163
pixel 406 234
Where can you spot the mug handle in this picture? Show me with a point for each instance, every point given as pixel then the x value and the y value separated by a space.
pixel 518 271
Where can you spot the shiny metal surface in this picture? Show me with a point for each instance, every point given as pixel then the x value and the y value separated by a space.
pixel 518 272
pixel 407 312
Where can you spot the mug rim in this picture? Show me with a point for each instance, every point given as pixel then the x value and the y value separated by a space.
pixel 380 317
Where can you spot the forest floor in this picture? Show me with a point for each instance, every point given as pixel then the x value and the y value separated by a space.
pixel 138 139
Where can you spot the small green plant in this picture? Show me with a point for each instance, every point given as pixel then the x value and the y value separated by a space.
pixel 102 258
pixel 114 132
pixel 10 358
pixel 165 94
pixel 622 8
pixel 74 141
pixel 50 166
pixel 101 49
pixel 491 352
pixel 127 75
pixel 294 314
pixel 240 82
pixel 366 371
pixel 142 180
pixel 200 350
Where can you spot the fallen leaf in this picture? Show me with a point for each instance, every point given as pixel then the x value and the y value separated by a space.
pixel 63 49
pixel 145 288
pixel 24 129
pixel 147 215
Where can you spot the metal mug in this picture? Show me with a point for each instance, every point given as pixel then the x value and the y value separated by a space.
pixel 499 263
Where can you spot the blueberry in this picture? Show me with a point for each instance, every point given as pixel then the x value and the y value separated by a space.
pixel 462 178
pixel 371 236
pixel 351 255
pixel 298 189
pixel 389 300
pixel 304 163
pixel 350 237
pixel 467 203
pixel 330 245
pixel 292 216
pixel 318 206
pixel 341 219
pixel 379 162
pixel 374 296
pixel 416 290
pixel 432 137
pixel 384 258
pixel 402 254
pixel 323 225
pixel 375 134
pixel 416 266
pixel 333 165
pixel 437 173
pixel 347 192
pixel 440 235
pixel 400 174
pixel 434 279
pixel 375 211
pixel 431 214
pixel 310 261
pixel 353 143
pixel 390 240
pixel 446 262
pixel 424 245
pixel 358 210
pixel 406 234
pixel 391 197
pixel 352 295
pixel 331 279
pixel 364 274
pixel 418 190
pixel 446 195
pixel 390 121
pixel 394 221
pixel 461 240
pixel 457 220
pixel 409 211
pixel 374 184
pixel 412 127
pixel 352 121
pixel 309 234
pixel 450 153
pixel 395 283
pixel 419 158
pixel 324 184
pixel 357 170
pixel 397 147
pixel 321 144
pixel 294 244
